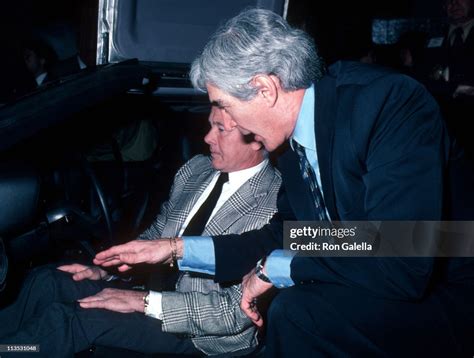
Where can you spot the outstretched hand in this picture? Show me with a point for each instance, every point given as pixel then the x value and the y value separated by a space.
pixel 83 272
pixel 112 299
pixel 136 252
pixel 253 287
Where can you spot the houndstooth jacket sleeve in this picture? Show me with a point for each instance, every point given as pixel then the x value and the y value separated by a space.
pixel 207 312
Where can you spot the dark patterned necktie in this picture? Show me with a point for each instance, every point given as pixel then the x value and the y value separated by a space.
pixel 458 40
pixel 198 222
pixel 310 179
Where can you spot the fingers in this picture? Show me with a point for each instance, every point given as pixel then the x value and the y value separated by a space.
pixel 111 253
pixel 116 262
pixel 80 272
pixel 89 299
pixel 124 268
pixel 249 307
pixel 112 261
pixel 73 268
pixel 103 295
pixel 96 304
pixel 258 320
pixel 132 258
pixel 93 302
pixel 81 275
pixel 116 300
pixel 124 259
pixel 129 253
pixel 89 273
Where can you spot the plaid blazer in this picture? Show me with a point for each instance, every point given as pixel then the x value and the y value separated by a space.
pixel 208 312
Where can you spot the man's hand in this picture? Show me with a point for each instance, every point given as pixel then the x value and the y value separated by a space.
pixel 138 251
pixel 124 301
pixel 252 287
pixel 83 272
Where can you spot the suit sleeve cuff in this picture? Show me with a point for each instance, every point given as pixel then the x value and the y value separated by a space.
pixel 198 255
pixel 277 268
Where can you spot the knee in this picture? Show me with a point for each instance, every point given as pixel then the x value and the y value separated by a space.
pixel 301 306
pixel 42 273
pixel 285 305
pixel 46 277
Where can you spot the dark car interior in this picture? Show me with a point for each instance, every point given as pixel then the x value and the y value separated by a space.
pixel 68 188
pixel 87 159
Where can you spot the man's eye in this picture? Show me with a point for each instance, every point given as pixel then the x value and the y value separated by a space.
pixel 221 129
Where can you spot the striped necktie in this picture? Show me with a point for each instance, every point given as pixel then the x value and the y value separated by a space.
pixel 310 179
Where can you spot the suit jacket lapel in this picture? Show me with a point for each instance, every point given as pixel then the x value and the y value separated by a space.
pixel 298 192
pixel 325 119
pixel 468 41
pixel 190 193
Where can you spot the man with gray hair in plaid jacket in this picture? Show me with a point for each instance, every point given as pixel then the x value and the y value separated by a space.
pixel 200 316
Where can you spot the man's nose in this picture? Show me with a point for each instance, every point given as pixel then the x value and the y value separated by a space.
pixel 209 138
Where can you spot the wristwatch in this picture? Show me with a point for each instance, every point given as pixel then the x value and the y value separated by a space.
pixel 259 271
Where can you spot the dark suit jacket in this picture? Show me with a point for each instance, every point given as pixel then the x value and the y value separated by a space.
pixel 461 64
pixel 382 150
pixel 458 111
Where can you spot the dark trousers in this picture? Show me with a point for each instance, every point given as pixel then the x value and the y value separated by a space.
pixel 46 313
pixel 327 320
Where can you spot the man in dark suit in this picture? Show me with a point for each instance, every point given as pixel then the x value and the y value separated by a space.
pixel 365 144
pixel 232 191
pixel 455 53
pixel 450 71
pixel 38 57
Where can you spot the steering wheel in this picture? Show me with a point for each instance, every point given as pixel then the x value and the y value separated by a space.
pixel 99 192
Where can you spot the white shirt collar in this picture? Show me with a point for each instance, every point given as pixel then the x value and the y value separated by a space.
pixel 239 177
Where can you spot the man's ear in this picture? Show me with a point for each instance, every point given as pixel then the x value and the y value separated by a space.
pixel 268 87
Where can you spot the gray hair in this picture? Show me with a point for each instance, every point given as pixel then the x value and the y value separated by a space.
pixel 256 41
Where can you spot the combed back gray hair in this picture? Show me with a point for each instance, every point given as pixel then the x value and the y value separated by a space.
pixel 256 41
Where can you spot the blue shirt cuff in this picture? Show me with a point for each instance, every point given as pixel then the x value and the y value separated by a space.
pixel 198 255
pixel 277 268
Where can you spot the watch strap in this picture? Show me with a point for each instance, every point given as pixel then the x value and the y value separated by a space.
pixel 259 271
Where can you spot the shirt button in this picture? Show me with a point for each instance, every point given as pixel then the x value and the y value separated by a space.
pixel 281 285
